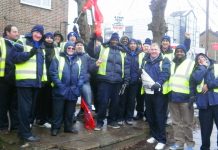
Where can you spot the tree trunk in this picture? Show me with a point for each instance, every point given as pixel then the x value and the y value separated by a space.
pixel 84 29
pixel 158 24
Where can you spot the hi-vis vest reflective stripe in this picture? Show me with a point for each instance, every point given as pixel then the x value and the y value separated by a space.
pixel 200 86
pixel 28 69
pixel 179 80
pixel 3 52
pixel 140 58
pixel 61 61
pixel 104 56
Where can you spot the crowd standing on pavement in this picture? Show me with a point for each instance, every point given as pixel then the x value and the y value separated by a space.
pixel 42 76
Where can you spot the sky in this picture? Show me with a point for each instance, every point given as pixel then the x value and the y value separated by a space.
pixel 139 9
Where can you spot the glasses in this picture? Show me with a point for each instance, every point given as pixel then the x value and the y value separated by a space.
pixel 71 48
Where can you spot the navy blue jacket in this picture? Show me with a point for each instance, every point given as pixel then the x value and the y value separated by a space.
pixel 19 56
pixel 201 73
pixel 69 86
pixel 88 64
pixel 133 59
pixel 159 73
pixel 114 66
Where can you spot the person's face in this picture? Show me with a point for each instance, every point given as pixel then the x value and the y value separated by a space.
pixel 14 34
pixel 57 39
pixel 165 43
pixel 124 41
pixel 97 43
pixel 201 59
pixel 70 50
pixel 154 51
pixel 49 40
pixel 79 47
pixel 132 46
pixel 146 48
pixel 113 42
pixel 179 53
pixel 37 36
pixel 72 38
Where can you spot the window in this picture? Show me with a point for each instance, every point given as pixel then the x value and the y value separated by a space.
pixel 38 3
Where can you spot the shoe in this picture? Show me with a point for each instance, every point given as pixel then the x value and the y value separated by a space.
pixel 160 146
pixel 138 117
pixel 121 123
pixel 113 125
pixel 47 125
pixel 74 131
pixel 151 140
pixel 176 147
pixel 129 122
pixel 54 132
pixel 32 139
pixel 98 128
pixel 189 148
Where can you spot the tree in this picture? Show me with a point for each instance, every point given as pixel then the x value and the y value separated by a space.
pixel 84 28
pixel 158 25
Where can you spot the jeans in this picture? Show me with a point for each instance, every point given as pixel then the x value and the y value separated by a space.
pixel 87 94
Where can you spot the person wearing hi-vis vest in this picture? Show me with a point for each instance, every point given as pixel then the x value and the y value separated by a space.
pixel 8 102
pixel 158 68
pixel 67 76
pixel 180 96
pixel 30 72
pixel 204 81
pixel 112 72
pixel 127 99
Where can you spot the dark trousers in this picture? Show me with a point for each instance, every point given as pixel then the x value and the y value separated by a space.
pixel 156 108
pixel 44 104
pixel 108 95
pixel 140 106
pixel 127 103
pixel 93 83
pixel 63 110
pixel 207 117
pixel 8 103
pixel 26 109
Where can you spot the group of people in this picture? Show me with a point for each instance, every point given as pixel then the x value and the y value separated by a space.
pixel 42 77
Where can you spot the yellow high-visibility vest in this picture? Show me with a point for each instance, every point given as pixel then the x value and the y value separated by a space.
pixel 61 61
pixel 28 69
pixel 179 79
pixel 140 58
pixel 3 53
pixel 104 53
pixel 200 86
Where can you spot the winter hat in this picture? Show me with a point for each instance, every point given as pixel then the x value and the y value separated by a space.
pixel 72 34
pixel 115 36
pixel 99 38
pixel 58 33
pixel 49 34
pixel 147 41
pixel 181 47
pixel 165 37
pixel 38 28
pixel 133 41
pixel 69 43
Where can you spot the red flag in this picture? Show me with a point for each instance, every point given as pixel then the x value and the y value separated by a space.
pixel 87 5
pixel 88 118
pixel 98 14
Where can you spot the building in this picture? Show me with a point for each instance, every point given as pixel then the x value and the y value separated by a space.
pixel 24 14
pixel 180 22
pixel 213 40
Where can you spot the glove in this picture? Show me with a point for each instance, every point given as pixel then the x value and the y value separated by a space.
pixel 156 86
pixel 33 51
pixel 123 88
pixel 140 71
pixel 192 99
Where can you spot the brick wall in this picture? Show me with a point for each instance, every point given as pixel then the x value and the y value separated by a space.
pixel 26 16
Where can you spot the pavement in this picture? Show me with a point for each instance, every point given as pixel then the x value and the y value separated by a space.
pixel 127 138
